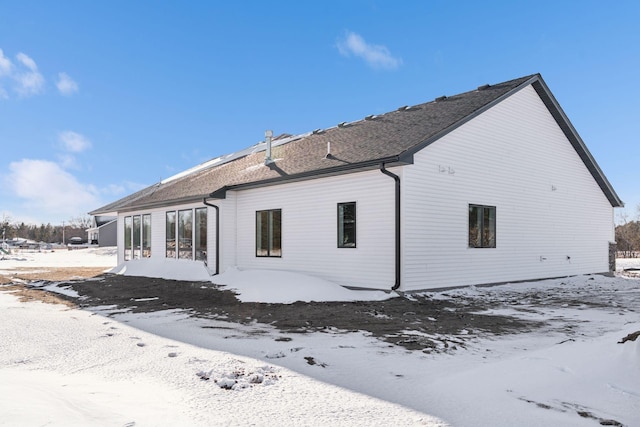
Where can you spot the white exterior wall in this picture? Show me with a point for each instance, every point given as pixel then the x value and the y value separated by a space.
pixel 120 238
pixel 548 206
pixel 309 228
pixel 158 238
pixel 227 209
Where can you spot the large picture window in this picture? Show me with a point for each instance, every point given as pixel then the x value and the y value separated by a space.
pixel 186 234
pixel 347 225
pixel 269 233
pixel 482 226
pixel 137 237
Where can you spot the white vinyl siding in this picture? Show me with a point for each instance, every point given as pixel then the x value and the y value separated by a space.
pixel 309 228
pixel 553 219
pixel 158 232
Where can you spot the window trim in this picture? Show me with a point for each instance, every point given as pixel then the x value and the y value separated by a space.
pixel 482 228
pixel 270 228
pixel 340 227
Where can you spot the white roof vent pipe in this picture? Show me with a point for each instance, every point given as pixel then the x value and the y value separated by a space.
pixel 268 136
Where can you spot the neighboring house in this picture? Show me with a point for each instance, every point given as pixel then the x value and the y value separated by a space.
pixel 104 231
pixel 487 186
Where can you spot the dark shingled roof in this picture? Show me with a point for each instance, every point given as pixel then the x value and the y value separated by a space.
pixel 390 138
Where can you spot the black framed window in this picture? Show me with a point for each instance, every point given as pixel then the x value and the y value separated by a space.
pixel 186 234
pixel 170 222
pixel 127 238
pixel 269 233
pixel 137 237
pixel 482 226
pixel 200 234
pixel 146 236
pixel 347 225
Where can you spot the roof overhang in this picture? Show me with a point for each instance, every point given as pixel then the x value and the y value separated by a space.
pixel 578 144
pixel 221 193
pixel 561 119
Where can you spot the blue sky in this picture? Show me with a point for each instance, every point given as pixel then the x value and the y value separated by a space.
pixel 98 99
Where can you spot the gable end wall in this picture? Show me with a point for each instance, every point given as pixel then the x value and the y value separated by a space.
pixel 552 217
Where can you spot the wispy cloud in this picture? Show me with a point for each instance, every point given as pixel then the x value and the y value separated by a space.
pixel 68 161
pixel 122 188
pixel 376 56
pixel 5 65
pixel 73 141
pixel 46 186
pixel 5 70
pixel 28 82
pixel 27 61
pixel 23 77
pixel 66 85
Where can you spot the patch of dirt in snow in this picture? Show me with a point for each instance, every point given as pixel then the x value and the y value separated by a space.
pixel 416 323
pixel 430 322
pixel 26 294
pixel 578 409
pixel 53 274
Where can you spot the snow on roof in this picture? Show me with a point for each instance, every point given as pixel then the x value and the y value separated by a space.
pixel 260 146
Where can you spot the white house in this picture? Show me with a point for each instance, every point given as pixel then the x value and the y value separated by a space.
pixel 491 185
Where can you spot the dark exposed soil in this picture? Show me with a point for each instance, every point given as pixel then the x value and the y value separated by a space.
pixel 416 323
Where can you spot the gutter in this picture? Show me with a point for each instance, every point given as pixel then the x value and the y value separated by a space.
pixel 398 259
pixel 402 159
pixel 217 235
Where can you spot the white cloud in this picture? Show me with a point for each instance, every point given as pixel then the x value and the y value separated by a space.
pixel 5 65
pixel 66 85
pixel 73 142
pixel 27 61
pixel 5 70
pixel 377 56
pixel 28 82
pixel 67 161
pixel 45 186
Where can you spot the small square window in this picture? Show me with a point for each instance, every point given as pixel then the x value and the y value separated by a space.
pixel 482 226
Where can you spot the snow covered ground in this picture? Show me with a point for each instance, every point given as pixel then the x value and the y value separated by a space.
pixel 126 368
pixel 90 257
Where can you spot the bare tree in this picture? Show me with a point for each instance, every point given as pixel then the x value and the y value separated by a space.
pixel 5 227
pixel 81 222
pixel 628 235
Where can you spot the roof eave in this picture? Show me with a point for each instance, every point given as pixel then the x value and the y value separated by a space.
pixel 469 117
pixel 159 204
pixel 561 119
pixel 401 160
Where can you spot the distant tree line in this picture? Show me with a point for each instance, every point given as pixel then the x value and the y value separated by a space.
pixel 628 236
pixel 628 239
pixel 75 227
